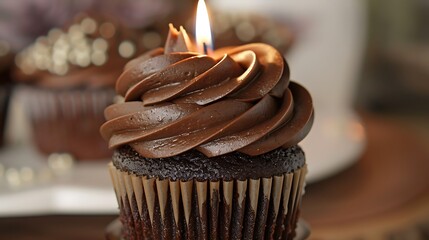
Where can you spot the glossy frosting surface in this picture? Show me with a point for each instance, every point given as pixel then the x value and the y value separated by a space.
pixel 237 99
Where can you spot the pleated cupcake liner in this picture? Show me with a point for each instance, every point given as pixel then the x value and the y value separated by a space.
pixel 41 104
pixel 153 208
pixel 67 121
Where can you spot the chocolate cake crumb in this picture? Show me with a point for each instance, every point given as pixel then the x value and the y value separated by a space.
pixel 195 165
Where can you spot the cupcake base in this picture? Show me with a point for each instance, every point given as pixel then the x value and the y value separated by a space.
pixel 155 208
pixel 67 121
pixel 114 230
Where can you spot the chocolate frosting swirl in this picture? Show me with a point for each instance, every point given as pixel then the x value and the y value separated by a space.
pixel 237 99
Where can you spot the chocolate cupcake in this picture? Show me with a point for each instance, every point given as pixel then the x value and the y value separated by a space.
pixel 205 147
pixel 68 79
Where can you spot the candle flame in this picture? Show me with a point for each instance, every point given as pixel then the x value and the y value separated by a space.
pixel 202 29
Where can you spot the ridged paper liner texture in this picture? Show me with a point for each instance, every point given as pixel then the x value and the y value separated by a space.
pixel 41 104
pixel 153 208
pixel 67 121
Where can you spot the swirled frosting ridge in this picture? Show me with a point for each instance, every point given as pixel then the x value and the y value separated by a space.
pixel 237 99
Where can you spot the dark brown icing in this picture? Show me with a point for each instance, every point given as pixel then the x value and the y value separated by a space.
pixel 238 99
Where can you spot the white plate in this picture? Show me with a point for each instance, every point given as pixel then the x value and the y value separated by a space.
pixel 334 143
pixel 84 188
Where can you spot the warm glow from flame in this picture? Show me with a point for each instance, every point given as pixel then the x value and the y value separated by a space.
pixel 202 29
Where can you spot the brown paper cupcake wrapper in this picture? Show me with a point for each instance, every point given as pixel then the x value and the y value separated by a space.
pixel 41 104
pixel 67 121
pixel 153 208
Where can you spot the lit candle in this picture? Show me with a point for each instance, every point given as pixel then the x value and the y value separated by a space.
pixel 202 29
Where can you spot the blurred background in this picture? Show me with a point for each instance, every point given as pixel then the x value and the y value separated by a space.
pixel 366 64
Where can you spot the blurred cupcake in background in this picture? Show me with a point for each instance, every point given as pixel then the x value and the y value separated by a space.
pixel 67 79
pixel 21 22
pixel 6 60
pixel 18 18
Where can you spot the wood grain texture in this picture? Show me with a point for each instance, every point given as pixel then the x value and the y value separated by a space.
pixel 54 227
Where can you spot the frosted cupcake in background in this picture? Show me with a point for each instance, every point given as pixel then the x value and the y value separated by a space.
pixel 17 20
pixel 67 78
pixel 21 22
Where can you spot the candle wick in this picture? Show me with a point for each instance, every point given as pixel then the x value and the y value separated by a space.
pixel 205 48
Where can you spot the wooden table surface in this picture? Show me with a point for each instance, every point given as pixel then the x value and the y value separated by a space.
pixel 385 195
